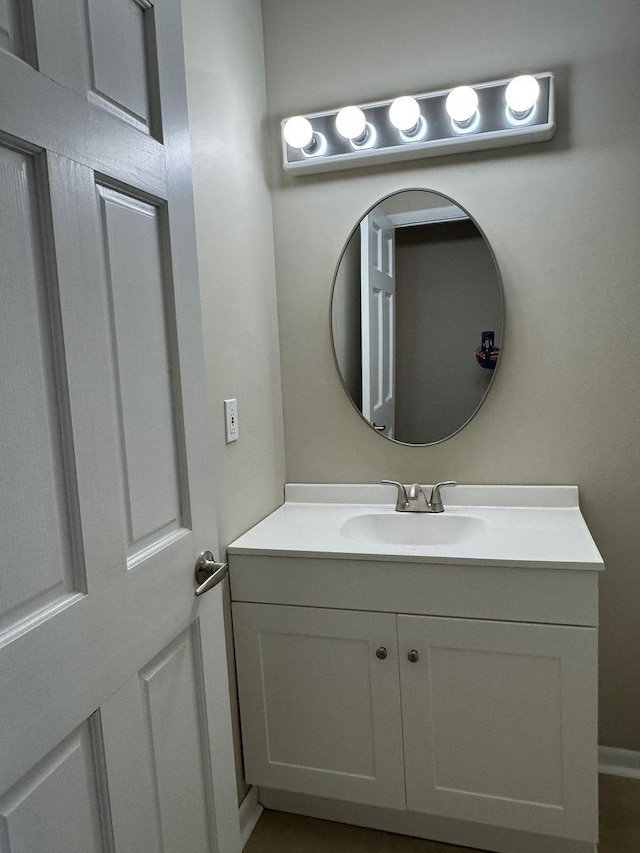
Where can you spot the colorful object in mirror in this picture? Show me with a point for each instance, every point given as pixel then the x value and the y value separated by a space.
pixel 487 353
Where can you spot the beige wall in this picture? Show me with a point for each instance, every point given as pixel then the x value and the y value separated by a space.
pixel 225 82
pixel 562 217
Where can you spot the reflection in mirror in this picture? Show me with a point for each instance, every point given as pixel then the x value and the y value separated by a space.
pixel 417 317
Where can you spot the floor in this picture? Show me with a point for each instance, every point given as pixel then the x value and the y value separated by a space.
pixel 277 832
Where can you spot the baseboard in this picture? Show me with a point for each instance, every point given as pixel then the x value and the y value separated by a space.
pixel 618 762
pixel 248 814
pixel 447 830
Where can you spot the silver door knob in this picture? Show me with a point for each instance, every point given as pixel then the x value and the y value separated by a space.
pixel 413 656
pixel 208 572
pixel 381 653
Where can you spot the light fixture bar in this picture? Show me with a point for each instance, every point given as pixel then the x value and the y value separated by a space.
pixel 494 125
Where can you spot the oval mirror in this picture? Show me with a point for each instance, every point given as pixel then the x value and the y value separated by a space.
pixel 417 317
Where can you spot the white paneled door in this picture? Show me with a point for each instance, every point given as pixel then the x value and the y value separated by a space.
pixel 114 710
pixel 378 318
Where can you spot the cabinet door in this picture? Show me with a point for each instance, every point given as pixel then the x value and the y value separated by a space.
pixel 500 723
pixel 320 711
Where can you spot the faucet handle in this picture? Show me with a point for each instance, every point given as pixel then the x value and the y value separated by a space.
pixel 402 500
pixel 435 501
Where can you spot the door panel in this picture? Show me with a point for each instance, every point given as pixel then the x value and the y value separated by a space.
pixel 61 33
pixel 37 483
pixel 144 362
pixel 157 732
pixel 129 766
pixel 499 723
pixel 60 805
pixel 173 701
pixel 121 81
pixel 11 27
pixel 104 52
pixel 156 745
pixel 320 712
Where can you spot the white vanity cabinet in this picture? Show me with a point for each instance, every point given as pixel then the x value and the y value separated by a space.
pixel 433 676
pixel 487 721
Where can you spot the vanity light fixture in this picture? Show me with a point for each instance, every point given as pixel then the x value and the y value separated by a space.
pixel 486 115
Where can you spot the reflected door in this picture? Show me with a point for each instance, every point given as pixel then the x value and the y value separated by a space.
pixel 114 718
pixel 378 310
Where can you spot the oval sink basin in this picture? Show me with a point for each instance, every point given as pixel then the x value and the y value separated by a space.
pixel 412 528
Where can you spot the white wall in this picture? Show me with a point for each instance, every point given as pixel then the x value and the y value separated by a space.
pixel 226 93
pixel 562 217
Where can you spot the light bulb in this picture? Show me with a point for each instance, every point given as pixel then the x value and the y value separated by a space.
pixel 351 123
pixel 461 104
pixel 298 132
pixel 522 94
pixel 404 113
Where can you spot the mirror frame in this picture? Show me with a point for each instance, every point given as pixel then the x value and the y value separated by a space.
pixel 502 306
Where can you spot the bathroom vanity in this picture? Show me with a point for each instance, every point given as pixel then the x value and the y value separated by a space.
pixel 434 675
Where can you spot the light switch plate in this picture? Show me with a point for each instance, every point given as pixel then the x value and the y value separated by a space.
pixel 231 420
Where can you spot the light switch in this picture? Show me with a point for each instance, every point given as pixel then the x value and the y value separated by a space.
pixel 231 420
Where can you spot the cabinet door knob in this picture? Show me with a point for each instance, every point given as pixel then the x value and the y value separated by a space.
pixel 413 656
pixel 381 653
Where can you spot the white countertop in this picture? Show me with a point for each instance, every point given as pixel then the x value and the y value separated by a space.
pixel 519 526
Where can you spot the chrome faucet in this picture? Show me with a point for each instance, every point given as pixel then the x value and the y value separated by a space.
pixel 413 499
